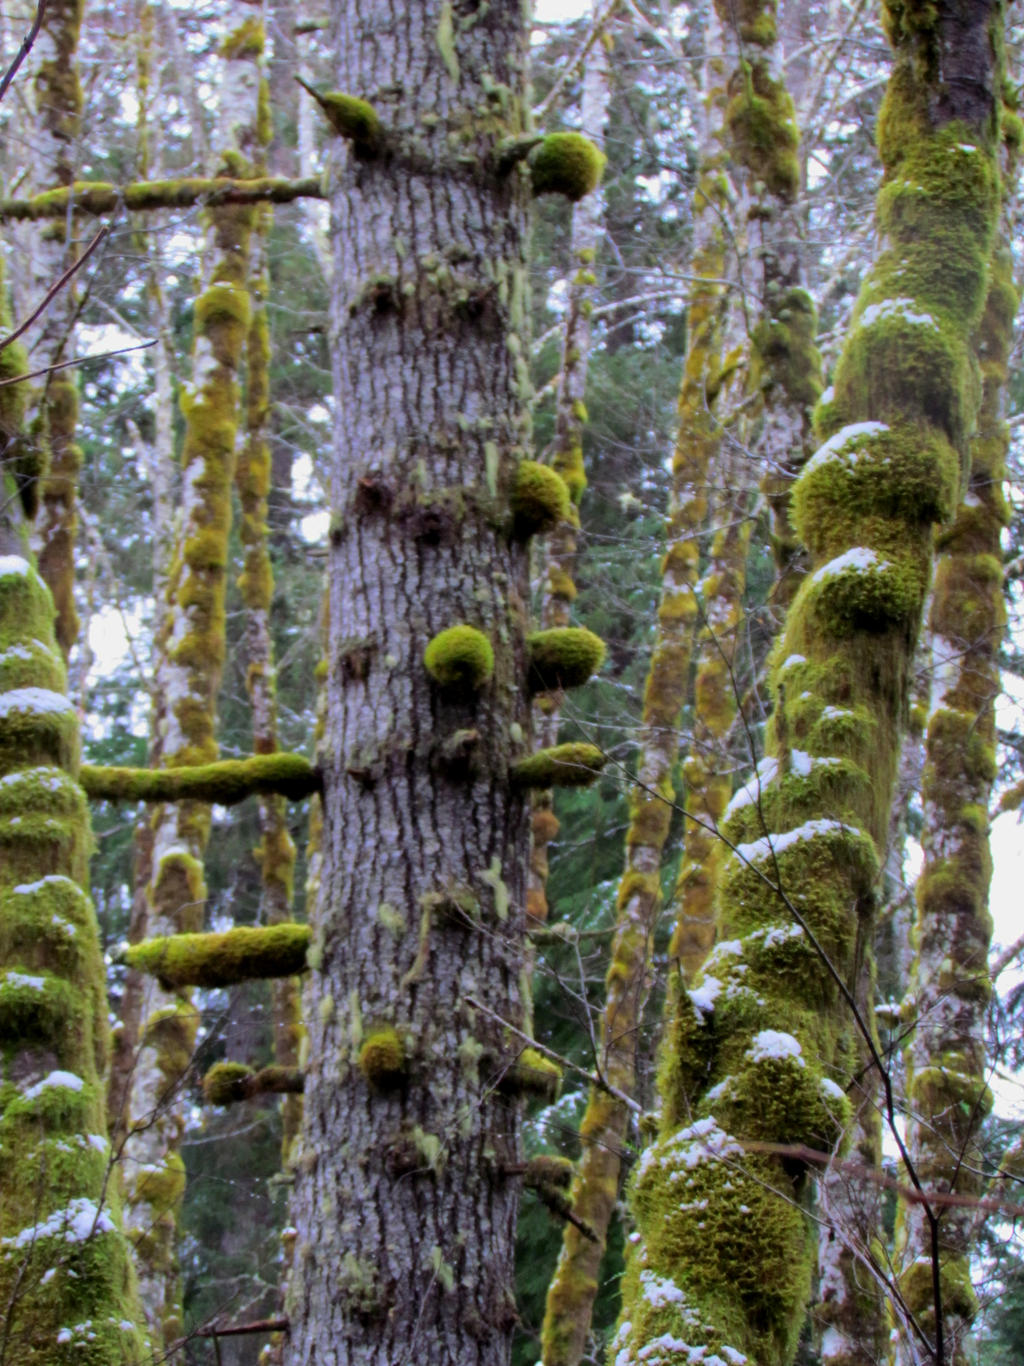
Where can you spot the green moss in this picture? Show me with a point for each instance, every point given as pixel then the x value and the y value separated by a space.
pixel 460 657
pixel 246 41
pixel 562 657
pixel 382 1058
pixel 566 163
pixel 539 501
pixel 352 118
pixel 226 782
pixel 226 1082
pixel 569 765
pixel 532 1074
pixel 761 123
pixel 220 960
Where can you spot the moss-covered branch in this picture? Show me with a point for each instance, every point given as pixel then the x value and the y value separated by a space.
pixel 227 1083
pixel 221 960
pixel 569 765
pixel 99 197
pixel 226 782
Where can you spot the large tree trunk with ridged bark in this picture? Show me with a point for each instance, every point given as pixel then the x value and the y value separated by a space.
pixel 406 1187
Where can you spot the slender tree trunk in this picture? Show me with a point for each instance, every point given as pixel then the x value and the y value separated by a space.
pixel 574 1287
pixel 408 1170
pixel 559 591
pixel 723 1256
pixel 947 1088
pixel 66 1286
pixel 188 679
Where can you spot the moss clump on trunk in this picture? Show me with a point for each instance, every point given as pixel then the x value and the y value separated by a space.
pixel 222 960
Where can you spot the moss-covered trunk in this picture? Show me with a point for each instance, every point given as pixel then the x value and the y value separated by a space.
pixel 752 1063
pixel 56 97
pixel 947 1090
pixel 603 1130
pixel 66 1283
pixel 559 588
pixel 409 1167
pixel 188 677
pixel 276 848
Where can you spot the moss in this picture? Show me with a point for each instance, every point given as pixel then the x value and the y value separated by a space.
pixel 227 1083
pixel 226 782
pixel 460 657
pixel 382 1058
pixel 539 501
pixel 562 657
pixel 220 960
pixel 532 1074
pixel 566 163
pixel 568 765
pixel 761 123
pixel 352 118
pixel 244 42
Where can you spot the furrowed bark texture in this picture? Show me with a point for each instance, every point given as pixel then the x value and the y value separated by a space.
pixel 947 1087
pixel 560 546
pixel 188 675
pixel 570 1300
pixel 404 1211
pixel 66 1284
pixel 722 1260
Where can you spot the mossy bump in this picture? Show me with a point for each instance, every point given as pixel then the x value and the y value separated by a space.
pixel 220 960
pixel 351 118
pixel 567 164
pixel 540 500
pixel 569 765
pixel 382 1058
pixel 460 657
pixel 225 1082
pixel 563 657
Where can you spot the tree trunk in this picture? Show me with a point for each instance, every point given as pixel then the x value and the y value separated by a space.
pixel 403 1203
pixel 722 1260
pixel 66 1284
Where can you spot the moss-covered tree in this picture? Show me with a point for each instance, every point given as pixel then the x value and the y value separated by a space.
pixel 66 1282
pixel 188 678
pixel 753 1065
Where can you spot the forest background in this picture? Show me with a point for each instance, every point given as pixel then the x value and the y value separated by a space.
pixel 153 95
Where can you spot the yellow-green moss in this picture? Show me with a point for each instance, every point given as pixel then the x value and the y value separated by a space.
pixel 569 765
pixel 532 1074
pixel 352 118
pixel 562 657
pixel 227 1083
pixel 763 135
pixel 220 960
pixel 566 163
pixel 539 501
pixel 246 41
pixel 460 657
pixel 382 1058
pixel 226 782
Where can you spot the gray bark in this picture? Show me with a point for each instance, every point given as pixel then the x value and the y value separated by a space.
pixel 404 1211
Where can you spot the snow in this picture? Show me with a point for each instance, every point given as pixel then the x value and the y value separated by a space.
pixel 860 558
pixel 75 1223
pixel 45 776
pixel 777 844
pixel 791 660
pixel 30 888
pixel 895 308
pixel 37 700
pixel 800 763
pixel 22 979
pixel 842 444
pixel 775 1043
pixel 659 1291
pixel 704 996
pixel 827 395
pixel 13 564
pixel 68 1080
pixel 831 1090
pixel 765 773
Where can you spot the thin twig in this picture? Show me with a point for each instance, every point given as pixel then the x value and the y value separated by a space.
pixel 52 291
pixel 25 48
pixel 67 364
